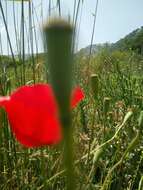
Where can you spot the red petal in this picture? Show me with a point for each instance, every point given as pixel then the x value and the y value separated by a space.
pixel 77 96
pixel 33 116
pixel 4 100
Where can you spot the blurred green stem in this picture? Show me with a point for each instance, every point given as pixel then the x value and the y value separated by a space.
pixel 68 150
pixel 59 36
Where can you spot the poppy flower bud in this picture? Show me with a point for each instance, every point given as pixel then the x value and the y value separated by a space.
pixel 58 35
pixel 95 84
pixel 106 105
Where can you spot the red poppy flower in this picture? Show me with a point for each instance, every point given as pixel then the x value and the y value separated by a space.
pixel 33 114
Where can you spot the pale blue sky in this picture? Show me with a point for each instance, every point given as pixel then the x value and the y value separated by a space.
pixel 115 19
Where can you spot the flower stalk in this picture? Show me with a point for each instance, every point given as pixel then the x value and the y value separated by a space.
pixel 59 37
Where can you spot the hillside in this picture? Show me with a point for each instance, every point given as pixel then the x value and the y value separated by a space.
pixel 132 41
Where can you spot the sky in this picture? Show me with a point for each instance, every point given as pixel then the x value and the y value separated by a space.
pixel 115 19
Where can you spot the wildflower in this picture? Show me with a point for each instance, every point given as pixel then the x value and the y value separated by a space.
pixel 33 114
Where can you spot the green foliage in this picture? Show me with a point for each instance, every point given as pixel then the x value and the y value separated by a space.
pixel 104 141
pixel 133 41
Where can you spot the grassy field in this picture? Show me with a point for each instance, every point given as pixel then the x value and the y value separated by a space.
pixel 108 124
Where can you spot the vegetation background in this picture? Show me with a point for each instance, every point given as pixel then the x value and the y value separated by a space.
pixel 108 123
